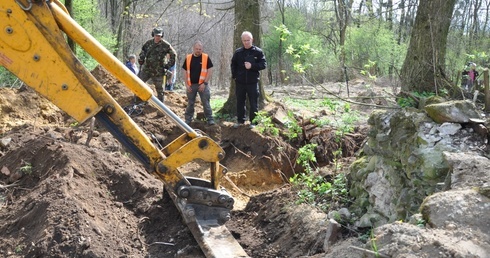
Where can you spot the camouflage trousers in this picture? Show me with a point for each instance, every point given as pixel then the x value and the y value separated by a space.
pixel 157 81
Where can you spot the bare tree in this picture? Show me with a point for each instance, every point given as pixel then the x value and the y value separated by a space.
pixel 280 58
pixel 423 69
pixel 342 13
pixel 475 21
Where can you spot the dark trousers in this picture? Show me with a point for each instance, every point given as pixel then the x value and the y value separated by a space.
pixel 241 92
pixel 191 100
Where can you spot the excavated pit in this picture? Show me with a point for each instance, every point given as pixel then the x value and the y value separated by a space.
pixel 62 197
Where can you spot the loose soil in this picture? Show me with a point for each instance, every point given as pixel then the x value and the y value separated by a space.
pixel 62 197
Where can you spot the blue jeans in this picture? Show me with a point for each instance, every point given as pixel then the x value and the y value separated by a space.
pixel 241 92
pixel 205 97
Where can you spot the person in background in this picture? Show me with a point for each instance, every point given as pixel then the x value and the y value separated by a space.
pixel 171 78
pixel 131 64
pixel 246 64
pixel 198 69
pixel 472 74
pixel 154 62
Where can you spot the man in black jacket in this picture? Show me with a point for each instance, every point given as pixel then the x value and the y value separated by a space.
pixel 246 63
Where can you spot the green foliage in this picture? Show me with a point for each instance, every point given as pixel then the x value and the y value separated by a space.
pixel 292 127
pixel 370 66
pixel 462 49
pixel 284 32
pixel 300 53
pixel 332 104
pixel 374 246
pixel 217 104
pixel 315 189
pixel 406 102
pixel 265 124
pixel 421 223
pixel 477 57
pixel 312 105
pixel 366 236
pixel 343 117
pixel 306 155
pixel 87 14
pixel 346 125
pixel 19 248
pixel 410 102
pixel 373 43
pixel 8 79
pixel 26 168
pixel 369 237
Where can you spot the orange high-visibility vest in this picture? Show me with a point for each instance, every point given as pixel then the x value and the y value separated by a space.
pixel 204 68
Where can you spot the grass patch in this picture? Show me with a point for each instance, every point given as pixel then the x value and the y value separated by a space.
pixel 217 103
pixel 312 105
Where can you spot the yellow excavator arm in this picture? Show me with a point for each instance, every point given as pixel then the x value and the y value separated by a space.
pixel 33 47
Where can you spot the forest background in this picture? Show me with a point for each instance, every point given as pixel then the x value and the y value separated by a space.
pixel 305 41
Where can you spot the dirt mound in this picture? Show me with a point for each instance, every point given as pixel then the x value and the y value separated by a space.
pixel 66 200
pixel 23 106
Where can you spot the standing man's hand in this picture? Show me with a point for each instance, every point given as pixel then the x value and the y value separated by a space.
pixel 189 89
pixel 202 86
pixel 248 65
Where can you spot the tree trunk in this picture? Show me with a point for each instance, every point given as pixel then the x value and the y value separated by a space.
pixel 247 18
pixel 71 43
pixel 280 58
pixel 120 49
pixel 475 22
pixel 401 34
pixel 389 14
pixel 423 68
pixel 342 13
pixel 369 6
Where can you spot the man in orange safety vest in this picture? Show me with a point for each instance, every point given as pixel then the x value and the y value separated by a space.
pixel 198 69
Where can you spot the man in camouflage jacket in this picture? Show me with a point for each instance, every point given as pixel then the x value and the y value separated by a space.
pixel 154 62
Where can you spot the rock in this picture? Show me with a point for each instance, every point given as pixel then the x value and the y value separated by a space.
pixel 430 100
pixel 5 170
pixel 449 128
pixel 416 219
pixel 464 208
pixel 331 236
pixel 5 142
pixel 467 170
pixel 369 220
pixel 405 160
pixel 345 214
pixel 458 111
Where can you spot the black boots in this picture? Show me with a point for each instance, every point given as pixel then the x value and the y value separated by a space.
pixel 161 96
